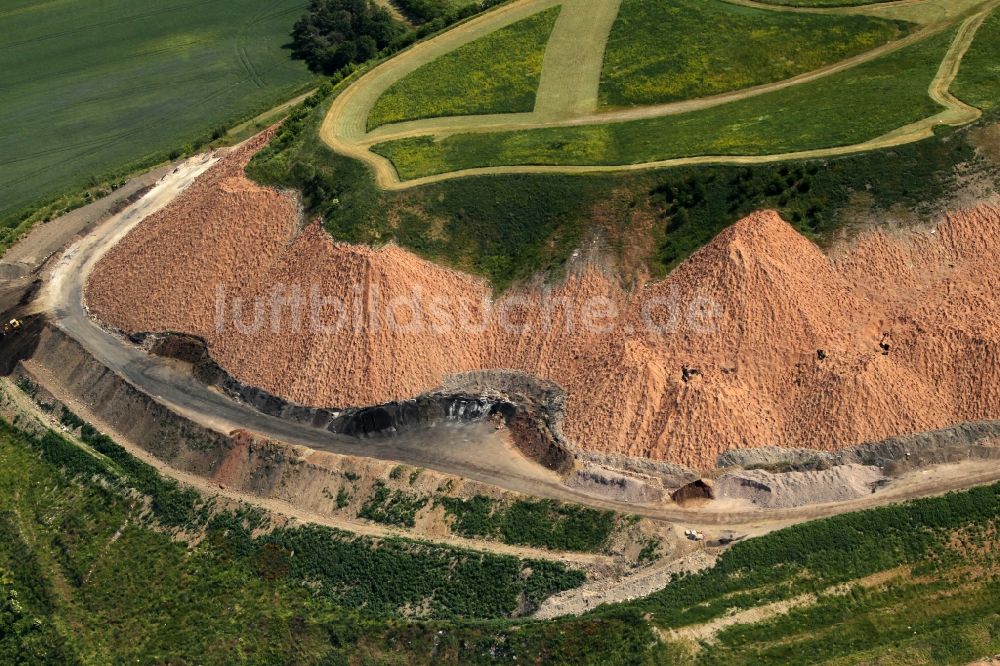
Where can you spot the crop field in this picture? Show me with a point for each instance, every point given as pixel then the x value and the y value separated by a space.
pixel 978 81
pixel 855 105
pixel 92 89
pixel 664 51
pixel 680 82
pixel 471 79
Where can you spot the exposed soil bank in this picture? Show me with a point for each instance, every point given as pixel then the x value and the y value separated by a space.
pixel 308 479
pixel 168 436
pixel 531 408
pixel 695 493
pixel 965 441
pixel 791 489
pixel 237 461
pixel 760 339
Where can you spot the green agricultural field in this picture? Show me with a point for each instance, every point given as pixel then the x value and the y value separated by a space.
pixel 670 50
pixel 91 89
pixel 473 79
pixel 849 107
pixel 978 81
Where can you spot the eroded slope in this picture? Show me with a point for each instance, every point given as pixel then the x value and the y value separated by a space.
pixel 750 313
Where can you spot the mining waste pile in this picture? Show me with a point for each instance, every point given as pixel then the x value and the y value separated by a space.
pixel 759 339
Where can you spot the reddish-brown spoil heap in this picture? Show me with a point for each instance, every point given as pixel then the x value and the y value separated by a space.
pixel 758 339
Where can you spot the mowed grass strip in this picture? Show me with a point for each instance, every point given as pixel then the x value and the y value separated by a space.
pixel 90 88
pixel 498 73
pixel 849 107
pixel 978 80
pixel 670 50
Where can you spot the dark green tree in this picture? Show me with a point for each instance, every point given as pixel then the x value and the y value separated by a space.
pixel 337 33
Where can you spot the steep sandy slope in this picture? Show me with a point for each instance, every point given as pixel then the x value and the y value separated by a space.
pixel 782 342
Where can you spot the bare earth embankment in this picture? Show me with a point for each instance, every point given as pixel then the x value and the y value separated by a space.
pixel 793 347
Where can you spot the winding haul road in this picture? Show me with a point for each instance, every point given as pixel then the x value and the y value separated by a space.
pixel 473 451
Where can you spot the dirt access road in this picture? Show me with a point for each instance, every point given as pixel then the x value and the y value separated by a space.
pixel 473 451
pixel 567 94
pixel 278 507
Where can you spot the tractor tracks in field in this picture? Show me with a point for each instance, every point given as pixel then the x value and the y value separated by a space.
pixel 253 74
pixel 102 24
pixel 242 41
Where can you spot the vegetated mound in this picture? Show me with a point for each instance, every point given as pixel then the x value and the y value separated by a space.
pixel 758 339
pixel 498 73
pixel 716 47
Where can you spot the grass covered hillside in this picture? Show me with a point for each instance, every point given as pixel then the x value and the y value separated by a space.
pixel 891 91
pixel 978 81
pixel 92 88
pixel 475 78
pixel 669 50
pixel 508 227
pixel 104 561
pixel 823 3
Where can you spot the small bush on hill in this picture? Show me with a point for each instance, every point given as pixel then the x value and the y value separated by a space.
pixel 541 523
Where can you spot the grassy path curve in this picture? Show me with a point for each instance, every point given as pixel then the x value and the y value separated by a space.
pixel 343 128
